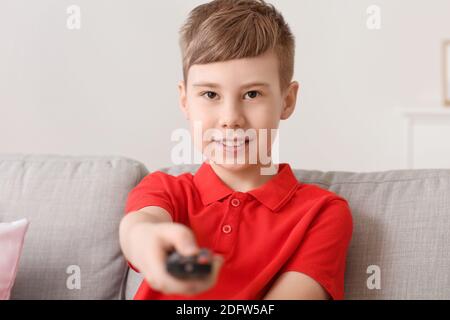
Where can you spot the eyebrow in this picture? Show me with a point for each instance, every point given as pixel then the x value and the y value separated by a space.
pixel 215 85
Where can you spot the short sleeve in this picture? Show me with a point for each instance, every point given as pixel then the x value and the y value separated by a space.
pixel 322 253
pixel 153 190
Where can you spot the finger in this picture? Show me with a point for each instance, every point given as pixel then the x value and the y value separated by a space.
pixel 179 286
pixel 217 263
pixel 211 280
pixel 181 238
pixel 155 257
pixel 160 280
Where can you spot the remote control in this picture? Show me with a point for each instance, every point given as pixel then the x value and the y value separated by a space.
pixel 196 266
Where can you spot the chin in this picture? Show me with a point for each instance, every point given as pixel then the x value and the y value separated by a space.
pixel 234 166
pixel 237 162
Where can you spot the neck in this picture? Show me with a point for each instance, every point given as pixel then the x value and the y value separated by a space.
pixel 242 180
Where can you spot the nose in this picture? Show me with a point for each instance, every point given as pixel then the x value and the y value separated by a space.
pixel 231 116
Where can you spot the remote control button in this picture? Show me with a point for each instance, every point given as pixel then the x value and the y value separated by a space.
pixel 204 256
pixel 203 260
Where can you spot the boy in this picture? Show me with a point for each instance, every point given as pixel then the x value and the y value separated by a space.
pixel 273 237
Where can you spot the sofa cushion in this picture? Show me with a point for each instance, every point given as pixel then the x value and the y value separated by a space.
pixel 74 205
pixel 12 235
pixel 401 231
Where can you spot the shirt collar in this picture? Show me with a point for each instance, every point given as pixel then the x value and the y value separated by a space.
pixel 273 194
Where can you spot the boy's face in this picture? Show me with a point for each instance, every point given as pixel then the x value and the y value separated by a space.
pixel 237 94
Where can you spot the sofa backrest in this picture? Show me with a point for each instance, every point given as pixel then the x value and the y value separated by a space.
pixel 74 205
pixel 400 247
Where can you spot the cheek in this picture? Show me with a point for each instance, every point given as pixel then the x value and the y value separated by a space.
pixel 201 131
pixel 201 119
pixel 200 110
pixel 263 117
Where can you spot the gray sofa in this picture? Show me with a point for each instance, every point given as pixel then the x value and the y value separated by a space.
pixel 401 233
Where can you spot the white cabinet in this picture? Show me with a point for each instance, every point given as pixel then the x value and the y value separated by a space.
pixel 426 137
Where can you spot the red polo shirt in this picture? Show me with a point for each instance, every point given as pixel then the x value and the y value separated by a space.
pixel 284 225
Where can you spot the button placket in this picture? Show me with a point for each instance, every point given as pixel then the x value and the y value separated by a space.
pixel 235 202
pixel 230 224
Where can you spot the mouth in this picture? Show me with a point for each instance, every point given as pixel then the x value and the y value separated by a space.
pixel 232 145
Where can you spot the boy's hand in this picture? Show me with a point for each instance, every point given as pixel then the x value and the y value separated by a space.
pixel 156 240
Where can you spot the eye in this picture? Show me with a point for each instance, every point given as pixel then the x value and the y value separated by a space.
pixel 253 94
pixel 209 94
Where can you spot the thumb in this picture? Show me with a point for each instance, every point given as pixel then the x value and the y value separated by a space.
pixel 220 258
pixel 218 261
pixel 184 241
pixel 188 248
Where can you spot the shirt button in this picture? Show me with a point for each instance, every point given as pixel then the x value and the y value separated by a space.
pixel 226 228
pixel 235 202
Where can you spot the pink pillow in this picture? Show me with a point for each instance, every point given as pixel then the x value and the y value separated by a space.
pixel 12 235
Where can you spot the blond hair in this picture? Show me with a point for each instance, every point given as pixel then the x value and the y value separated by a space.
pixel 223 30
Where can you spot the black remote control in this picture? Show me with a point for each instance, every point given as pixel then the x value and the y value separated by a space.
pixel 191 267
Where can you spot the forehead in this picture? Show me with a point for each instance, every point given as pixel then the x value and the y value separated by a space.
pixel 263 68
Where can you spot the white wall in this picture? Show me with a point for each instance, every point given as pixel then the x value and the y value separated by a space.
pixel 111 87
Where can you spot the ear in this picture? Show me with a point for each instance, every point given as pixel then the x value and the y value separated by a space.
pixel 289 100
pixel 182 99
